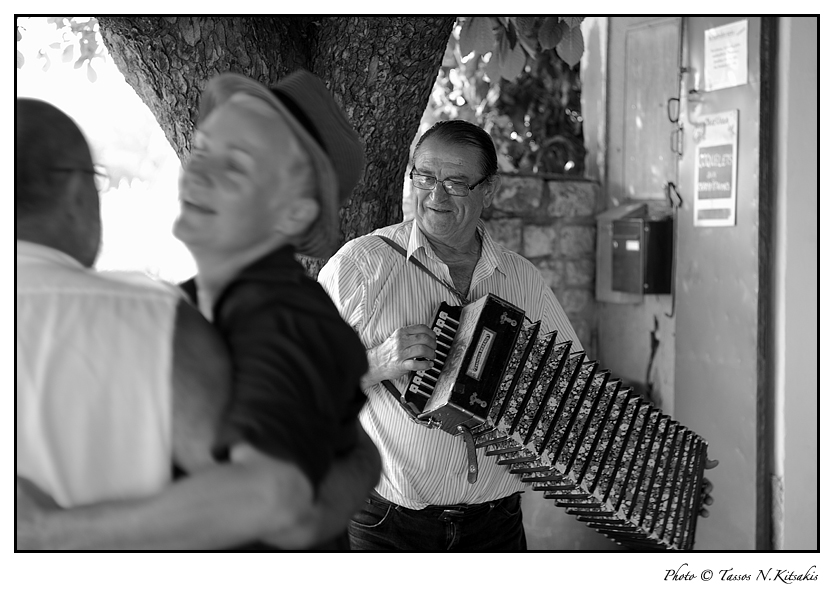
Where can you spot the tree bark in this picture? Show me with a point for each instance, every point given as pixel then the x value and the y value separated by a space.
pixel 379 69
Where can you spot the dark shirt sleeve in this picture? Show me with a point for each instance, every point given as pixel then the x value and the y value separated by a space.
pixel 297 369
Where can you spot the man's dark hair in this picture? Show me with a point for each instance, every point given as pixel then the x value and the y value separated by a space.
pixel 45 138
pixel 463 133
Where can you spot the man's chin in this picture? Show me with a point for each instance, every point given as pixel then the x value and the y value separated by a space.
pixel 185 233
pixel 435 224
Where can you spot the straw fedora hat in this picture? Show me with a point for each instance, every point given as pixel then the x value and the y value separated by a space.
pixel 322 128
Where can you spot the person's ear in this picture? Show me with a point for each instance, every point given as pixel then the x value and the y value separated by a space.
pixel 81 211
pixel 296 218
pixel 490 188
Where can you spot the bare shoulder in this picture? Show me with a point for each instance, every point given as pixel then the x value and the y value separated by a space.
pixel 201 386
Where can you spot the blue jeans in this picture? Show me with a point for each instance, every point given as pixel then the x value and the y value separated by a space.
pixel 488 527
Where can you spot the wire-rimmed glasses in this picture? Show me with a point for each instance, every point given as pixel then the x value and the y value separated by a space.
pixel 454 188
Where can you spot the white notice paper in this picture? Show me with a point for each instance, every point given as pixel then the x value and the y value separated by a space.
pixel 716 169
pixel 725 56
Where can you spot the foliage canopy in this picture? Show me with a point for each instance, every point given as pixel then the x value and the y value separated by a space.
pixel 518 78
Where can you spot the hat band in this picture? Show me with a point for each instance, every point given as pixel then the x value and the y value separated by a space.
pixel 299 115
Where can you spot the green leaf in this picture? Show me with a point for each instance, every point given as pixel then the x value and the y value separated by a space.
pixel 512 62
pixel 525 25
pixel 571 47
pixel 91 73
pixel 550 34
pixel 530 44
pixel 572 22
pixel 20 59
pixel 465 42
pixel 492 69
pixel 66 56
pixel 89 42
pixel 483 40
pixel 79 62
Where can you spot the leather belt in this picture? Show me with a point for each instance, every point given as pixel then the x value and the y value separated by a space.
pixel 448 512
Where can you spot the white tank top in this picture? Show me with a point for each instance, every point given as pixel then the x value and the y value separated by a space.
pixel 93 395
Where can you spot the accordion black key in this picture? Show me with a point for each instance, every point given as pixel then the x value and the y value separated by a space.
pixel 554 418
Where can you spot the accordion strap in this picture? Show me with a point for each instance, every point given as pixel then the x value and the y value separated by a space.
pixel 412 412
pixel 409 408
pixel 399 248
pixel 471 454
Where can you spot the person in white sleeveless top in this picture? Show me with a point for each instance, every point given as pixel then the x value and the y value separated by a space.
pixel 119 379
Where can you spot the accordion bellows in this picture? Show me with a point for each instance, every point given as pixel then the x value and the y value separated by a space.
pixel 554 418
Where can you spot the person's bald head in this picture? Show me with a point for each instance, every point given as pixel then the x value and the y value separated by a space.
pixel 56 203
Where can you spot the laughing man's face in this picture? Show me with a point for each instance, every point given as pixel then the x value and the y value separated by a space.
pixel 245 164
pixel 440 216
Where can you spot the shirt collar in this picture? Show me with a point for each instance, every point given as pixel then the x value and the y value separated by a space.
pixel 28 251
pixel 278 266
pixel 490 258
pixel 417 240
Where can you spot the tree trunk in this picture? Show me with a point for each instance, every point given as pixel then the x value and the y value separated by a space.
pixel 379 69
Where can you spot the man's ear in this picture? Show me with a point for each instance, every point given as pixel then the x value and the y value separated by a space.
pixel 490 188
pixel 80 211
pixel 297 217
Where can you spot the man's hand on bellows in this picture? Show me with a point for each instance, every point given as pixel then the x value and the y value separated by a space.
pixel 706 489
pixel 407 349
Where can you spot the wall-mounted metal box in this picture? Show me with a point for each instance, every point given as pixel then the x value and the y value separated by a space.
pixel 641 254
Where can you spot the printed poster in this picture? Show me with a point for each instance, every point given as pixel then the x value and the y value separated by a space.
pixel 716 171
pixel 725 56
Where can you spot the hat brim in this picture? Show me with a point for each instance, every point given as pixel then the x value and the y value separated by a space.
pixel 322 238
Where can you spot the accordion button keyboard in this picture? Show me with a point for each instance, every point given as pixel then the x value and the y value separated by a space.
pixel 425 381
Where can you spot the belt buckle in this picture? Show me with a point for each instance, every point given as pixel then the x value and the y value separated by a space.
pixel 447 515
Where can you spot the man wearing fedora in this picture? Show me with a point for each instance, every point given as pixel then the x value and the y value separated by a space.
pixel 268 172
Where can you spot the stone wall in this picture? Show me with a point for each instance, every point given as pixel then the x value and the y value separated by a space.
pixel 551 221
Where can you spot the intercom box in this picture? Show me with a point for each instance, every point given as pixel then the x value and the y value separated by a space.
pixel 641 254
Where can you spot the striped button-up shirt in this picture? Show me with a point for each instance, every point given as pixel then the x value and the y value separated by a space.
pixel 377 292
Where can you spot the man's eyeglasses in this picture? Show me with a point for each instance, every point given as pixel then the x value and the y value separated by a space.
pixel 99 173
pixel 457 189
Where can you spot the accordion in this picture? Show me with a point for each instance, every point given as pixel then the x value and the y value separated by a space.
pixel 554 418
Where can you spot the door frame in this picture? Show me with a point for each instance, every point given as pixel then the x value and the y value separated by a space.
pixel 765 351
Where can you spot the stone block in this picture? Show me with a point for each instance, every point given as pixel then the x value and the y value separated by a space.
pixel 507 232
pixel 518 195
pixel 575 300
pixel 577 241
pixel 568 198
pixel 580 272
pixel 553 273
pixel 539 241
